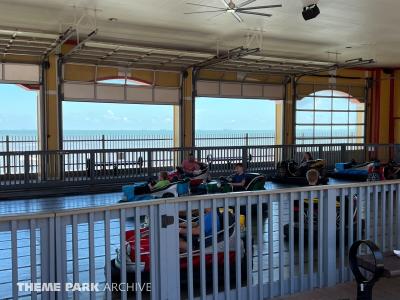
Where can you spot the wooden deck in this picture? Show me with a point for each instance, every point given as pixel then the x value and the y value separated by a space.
pixel 385 289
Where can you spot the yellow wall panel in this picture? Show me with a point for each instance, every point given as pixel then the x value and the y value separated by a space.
pixel 167 79
pixel 77 72
pixel 143 75
pixel 106 73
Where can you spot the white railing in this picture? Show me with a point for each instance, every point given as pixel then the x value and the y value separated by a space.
pixel 83 167
pixel 283 244
pixel 161 139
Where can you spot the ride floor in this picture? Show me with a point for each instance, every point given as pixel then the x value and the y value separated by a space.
pixel 51 204
pixel 385 289
pixel 43 205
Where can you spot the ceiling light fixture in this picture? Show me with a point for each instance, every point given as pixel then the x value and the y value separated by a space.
pixel 310 12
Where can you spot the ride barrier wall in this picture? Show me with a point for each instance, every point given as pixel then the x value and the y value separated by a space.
pixel 90 167
pixel 283 244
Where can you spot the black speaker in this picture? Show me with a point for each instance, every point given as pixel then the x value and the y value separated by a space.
pixel 310 12
pixel 388 71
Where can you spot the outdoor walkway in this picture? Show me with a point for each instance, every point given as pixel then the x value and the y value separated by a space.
pixel 385 289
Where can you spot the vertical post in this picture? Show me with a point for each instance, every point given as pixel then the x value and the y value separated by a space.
pixel 329 210
pixel 168 256
pixel 8 163
pixel 60 98
pixel 246 140
pixel 92 166
pixel 26 168
pixel 149 163
pixel 103 155
pixel 320 151
pixel 198 155
pixel 342 153
pixel 245 156
pixel 103 142
pixel 62 170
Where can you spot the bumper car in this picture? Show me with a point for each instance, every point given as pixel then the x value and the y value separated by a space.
pixel 200 176
pixel 254 182
pixel 196 179
pixel 391 171
pixel 145 254
pixel 140 191
pixel 371 171
pixel 314 216
pixel 289 172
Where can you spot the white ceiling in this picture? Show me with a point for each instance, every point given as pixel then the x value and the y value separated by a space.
pixel 369 27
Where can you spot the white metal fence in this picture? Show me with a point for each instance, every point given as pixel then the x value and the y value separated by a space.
pixel 284 243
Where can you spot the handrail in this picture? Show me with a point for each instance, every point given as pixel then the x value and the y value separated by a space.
pixel 145 203
pixel 192 148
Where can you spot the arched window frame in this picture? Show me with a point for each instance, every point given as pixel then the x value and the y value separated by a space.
pixel 319 124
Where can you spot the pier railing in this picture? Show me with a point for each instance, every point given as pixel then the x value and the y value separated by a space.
pixel 77 167
pixel 257 245
pixel 11 143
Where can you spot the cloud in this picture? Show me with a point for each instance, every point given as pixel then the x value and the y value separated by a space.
pixel 110 115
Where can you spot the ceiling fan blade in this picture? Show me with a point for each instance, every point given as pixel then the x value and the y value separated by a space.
pixel 254 13
pixel 204 11
pixel 217 15
pixel 201 5
pixel 240 20
pixel 259 7
pixel 245 3
pixel 226 4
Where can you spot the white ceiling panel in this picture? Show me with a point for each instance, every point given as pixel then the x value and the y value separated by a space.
pixel 345 29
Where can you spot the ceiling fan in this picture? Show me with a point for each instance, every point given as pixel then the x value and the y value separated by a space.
pixel 234 9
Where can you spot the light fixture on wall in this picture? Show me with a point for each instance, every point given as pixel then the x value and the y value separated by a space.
pixel 310 11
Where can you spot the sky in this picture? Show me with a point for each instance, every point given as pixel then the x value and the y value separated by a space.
pixel 19 112
pixel 19 107
pixel 234 114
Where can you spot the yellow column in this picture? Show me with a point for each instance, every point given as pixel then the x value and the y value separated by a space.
pixel 187 113
pixel 177 126
pixel 384 111
pixel 50 118
pixel 289 107
pixel 397 108
pixel 49 127
pixel 279 106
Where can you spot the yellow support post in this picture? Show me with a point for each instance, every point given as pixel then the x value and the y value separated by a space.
pixel 288 114
pixel 396 107
pixel 187 110
pixel 51 112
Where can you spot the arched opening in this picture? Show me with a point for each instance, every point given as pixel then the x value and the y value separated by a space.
pixel 330 117
pixel 122 81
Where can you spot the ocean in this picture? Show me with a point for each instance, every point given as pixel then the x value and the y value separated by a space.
pixel 26 140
